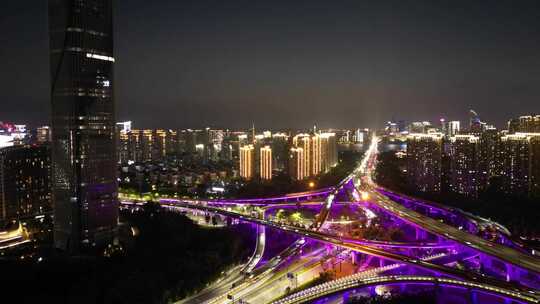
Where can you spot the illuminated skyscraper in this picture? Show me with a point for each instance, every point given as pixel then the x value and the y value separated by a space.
pixel 199 150
pixel 419 127
pixel 266 163
pixel 24 182
pixel 424 160
pixel 491 161
pixel 83 123
pixel 247 162
pixel 358 136
pixel 525 124
pixel 521 153
pixel 329 156
pixel 160 145
pixel 452 128
pixel 316 154
pixel 297 163
pixel 43 134
pixel 123 144
pixel 280 150
pixel 171 142
pixel 135 146
pixel 465 176
pixel 304 141
pixel 147 144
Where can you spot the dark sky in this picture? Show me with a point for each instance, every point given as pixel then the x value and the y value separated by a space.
pixel 294 63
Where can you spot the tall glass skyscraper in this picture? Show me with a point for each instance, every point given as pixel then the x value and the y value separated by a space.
pixel 85 189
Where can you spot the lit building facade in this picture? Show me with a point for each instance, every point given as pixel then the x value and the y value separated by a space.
pixel 316 156
pixel 43 134
pixel 296 163
pixel 25 189
pixel 123 144
pixel 465 175
pixel 424 161
pixel 525 124
pixel 280 150
pixel 247 162
pixel 329 156
pixel 146 145
pixel 491 160
pixel 419 127
pixel 83 123
pixel 304 141
pixel 359 136
pixel 265 168
pixel 521 167
pixel 452 128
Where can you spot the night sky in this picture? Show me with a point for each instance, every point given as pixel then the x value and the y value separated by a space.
pixel 293 63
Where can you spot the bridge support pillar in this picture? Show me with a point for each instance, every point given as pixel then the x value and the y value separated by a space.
pixel 473 297
pixel 345 298
pixel 440 239
pixel 371 290
pixel 420 234
pixel 512 274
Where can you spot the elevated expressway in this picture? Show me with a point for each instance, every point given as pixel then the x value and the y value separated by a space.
pixel 369 250
pixel 354 281
pixel 518 264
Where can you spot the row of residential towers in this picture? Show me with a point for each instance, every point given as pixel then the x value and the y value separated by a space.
pixel 467 163
pixel 302 155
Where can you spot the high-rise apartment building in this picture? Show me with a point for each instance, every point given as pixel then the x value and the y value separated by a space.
pixel 358 136
pixel 329 157
pixel 25 189
pixel 265 163
pixel 247 162
pixel 147 145
pixel 418 127
pixel 534 182
pixel 280 150
pixel 171 143
pixel 43 134
pixel 160 144
pixel 228 147
pixel 424 160
pixel 490 162
pixel 525 124
pixel 83 123
pixel 521 163
pixel 452 128
pixel 122 147
pixel 465 176
pixel 296 163
pixel 316 156
pixel 304 141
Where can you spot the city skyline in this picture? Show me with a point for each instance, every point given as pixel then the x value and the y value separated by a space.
pixel 272 152
pixel 378 61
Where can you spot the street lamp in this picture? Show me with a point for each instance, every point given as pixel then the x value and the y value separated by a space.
pixel 311 184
